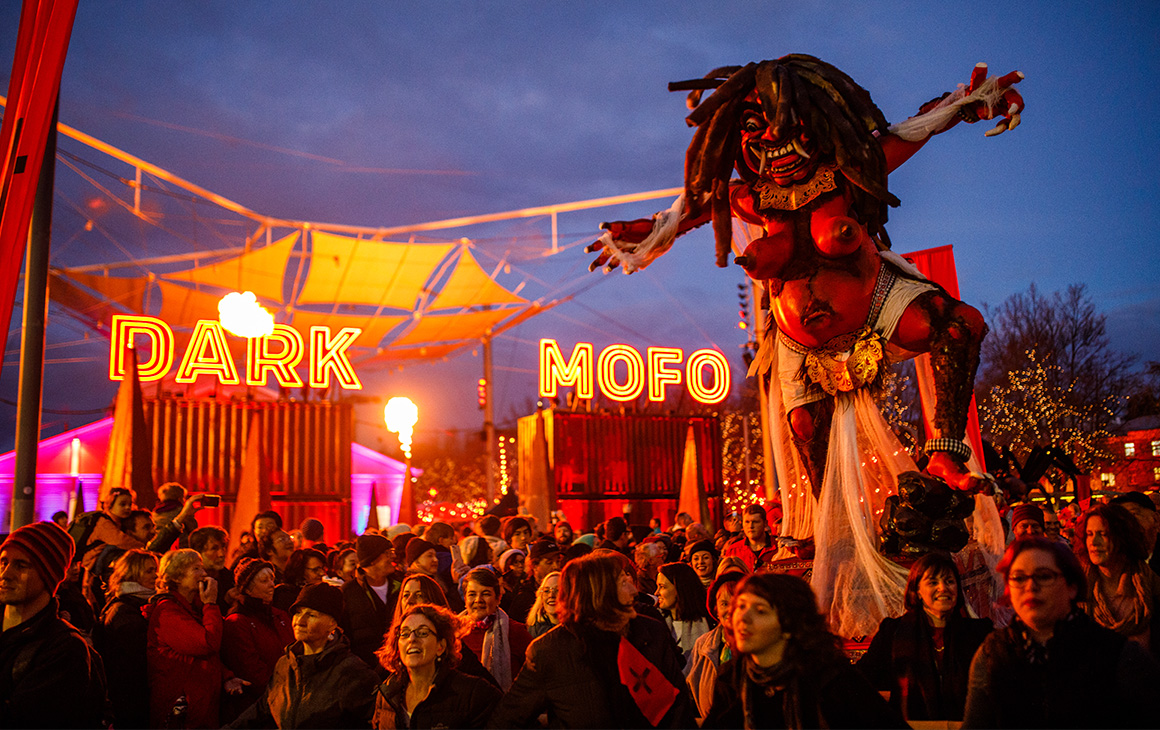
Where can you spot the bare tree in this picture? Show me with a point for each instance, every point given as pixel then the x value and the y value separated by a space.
pixel 1049 375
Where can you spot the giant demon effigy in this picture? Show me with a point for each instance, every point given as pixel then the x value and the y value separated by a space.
pixel 812 153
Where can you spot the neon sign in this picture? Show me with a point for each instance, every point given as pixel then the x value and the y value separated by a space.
pixel 208 353
pixel 656 371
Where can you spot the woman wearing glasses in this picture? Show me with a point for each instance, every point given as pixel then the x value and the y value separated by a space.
pixel 1054 666
pixel 425 690
pixel 542 616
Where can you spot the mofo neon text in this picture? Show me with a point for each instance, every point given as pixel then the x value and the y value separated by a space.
pixel 585 373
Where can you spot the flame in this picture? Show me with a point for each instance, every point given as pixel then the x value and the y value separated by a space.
pixel 401 415
pixel 241 315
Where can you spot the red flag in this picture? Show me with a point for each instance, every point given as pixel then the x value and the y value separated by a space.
pixel 129 464
pixel 253 485
pixel 938 265
pixel 653 692
pixel 41 45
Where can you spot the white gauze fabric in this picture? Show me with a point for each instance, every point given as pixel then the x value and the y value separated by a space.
pixel 636 256
pixel 920 127
pixel 856 586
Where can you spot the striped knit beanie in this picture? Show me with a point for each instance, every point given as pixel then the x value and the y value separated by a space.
pixel 48 546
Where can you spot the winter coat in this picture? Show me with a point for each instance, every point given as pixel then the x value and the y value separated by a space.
pixel 832 695
pixel 703 667
pixel 1085 676
pixel 571 673
pixel 902 655
pixel 183 651
pixel 254 638
pixel 330 689
pixel 121 640
pixel 365 618
pixel 738 547
pixel 50 676
pixel 457 700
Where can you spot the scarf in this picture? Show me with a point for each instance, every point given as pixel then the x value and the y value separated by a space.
pixel 767 681
pixel 1135 590
pixel 497 651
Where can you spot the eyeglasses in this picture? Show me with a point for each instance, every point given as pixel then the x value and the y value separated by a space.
pixel 550 591
pixel 420 633
pixel 1042 578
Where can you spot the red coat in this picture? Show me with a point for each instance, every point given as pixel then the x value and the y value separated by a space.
pixel 255 638
pixel 738 547
pixel 183 646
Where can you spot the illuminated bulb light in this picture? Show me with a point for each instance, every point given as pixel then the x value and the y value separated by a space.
pixel 240 314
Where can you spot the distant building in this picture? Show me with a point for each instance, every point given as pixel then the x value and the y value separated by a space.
pixel 1136 468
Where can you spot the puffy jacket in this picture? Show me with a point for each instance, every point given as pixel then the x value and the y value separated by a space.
pixel 457 700
pixel 330 689
pixel 183 652
pixel 254 638
pixel 571 673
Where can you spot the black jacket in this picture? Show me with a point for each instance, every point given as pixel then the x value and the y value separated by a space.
pixel 903 652
pixel 833 695
pixel 50 676
pixel 571 673
pixel 457 700
pixel 331 689
pixel 365 618
pixel 121 639
pixel 1091 677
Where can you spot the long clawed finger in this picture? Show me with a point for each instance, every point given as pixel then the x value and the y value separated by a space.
pixel 978 76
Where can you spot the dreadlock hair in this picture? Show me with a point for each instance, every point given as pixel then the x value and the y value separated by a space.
pixel 835 112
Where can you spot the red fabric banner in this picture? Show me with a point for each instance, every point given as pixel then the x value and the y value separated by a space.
pixel 41 45
pixel 653 693
pixel 938 265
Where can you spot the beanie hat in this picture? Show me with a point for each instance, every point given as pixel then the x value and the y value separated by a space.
pixel 400 543
pixel 415 548
pixel 370 547
pixel 395 530
pixel 321 597
pixel 312 530
pixel 247 569
pixel 507 557
pixel 49 548
pixel 1026 512
pixel 701 546
pixel 576 550
pixel 469 546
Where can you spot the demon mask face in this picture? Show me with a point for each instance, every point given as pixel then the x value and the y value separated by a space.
pixel 788 157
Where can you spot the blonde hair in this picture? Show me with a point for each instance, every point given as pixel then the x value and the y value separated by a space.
pixel 539 612
pixel 174 565
pixel 129 568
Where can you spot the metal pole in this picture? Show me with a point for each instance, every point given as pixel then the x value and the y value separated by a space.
pixel 32 338
pixel 489 420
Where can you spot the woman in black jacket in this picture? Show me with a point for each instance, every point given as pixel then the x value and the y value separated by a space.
pixel 923 658
pixel 603 666
pixel 120 637
pixel 789 670
pixel 425 690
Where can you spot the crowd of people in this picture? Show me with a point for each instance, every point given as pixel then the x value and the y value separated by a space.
pixel 131 619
